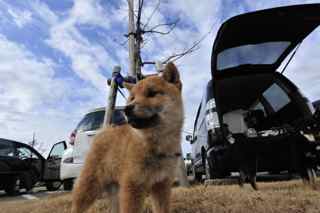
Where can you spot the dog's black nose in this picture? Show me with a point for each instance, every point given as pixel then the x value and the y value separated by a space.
pixel 128 110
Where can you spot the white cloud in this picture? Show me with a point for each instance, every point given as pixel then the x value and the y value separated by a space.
pixel 33 99
pixel 90 12
pixel 88 59
pixel 20 17
pixel 27 83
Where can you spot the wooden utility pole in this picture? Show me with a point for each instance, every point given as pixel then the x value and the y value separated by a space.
pixel 131 42
pixel 112 97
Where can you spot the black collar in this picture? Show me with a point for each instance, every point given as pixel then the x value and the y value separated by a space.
pixel 143 123
pixel 163 155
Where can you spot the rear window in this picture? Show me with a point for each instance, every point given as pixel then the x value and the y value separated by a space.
pixel 6 149
pixel 94 120
pixel 263 53
pixel 91 121
pixel 118 117
pixel 276 97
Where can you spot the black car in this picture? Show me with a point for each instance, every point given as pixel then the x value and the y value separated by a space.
pixel 252 118
pixel 21 166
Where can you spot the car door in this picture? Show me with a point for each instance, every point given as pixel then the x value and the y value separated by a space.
pixel 52 164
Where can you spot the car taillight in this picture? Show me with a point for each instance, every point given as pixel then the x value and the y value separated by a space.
pixel 72 137
pixel 212 120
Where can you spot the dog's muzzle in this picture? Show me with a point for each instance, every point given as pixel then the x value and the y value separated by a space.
pixel 139 122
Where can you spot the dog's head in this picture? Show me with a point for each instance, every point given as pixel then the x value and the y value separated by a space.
pixel 155 100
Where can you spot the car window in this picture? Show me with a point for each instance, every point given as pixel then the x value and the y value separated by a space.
pixel 263 53
pixel 57 150
pixel 24 153
pixel 118 117
pixel 6 149
pixel 91 121
pixel 277 97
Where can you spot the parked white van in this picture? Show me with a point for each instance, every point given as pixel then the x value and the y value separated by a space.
pixel 80 141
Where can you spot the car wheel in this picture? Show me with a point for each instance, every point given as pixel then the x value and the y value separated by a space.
pixel 13 187
pixel 311 176
pixel 53 185
pixel 26 179
pixel 208 170
pixel 197 175
pixel 68 184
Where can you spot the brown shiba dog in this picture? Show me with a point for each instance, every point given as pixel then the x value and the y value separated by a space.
pixel 136 159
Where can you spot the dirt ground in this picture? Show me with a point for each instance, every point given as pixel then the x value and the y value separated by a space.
pixel 275 197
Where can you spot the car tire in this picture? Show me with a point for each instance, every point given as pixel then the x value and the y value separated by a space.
pixel 197 175
pixel 208 170
pixel 26 179
pixel 68 184
pixel 13 187
pixel 311 176
pixel 53 185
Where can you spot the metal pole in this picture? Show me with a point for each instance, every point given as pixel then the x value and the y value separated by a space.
pixel 112 97
pixel 131 42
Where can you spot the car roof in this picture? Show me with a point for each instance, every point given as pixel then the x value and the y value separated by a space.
pixel 22 144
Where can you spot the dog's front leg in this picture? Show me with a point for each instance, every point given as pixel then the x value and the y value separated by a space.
pixel 86 190
pixel 160 195
pixel 132 197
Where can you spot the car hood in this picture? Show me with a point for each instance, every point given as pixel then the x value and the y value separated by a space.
pixel 263 37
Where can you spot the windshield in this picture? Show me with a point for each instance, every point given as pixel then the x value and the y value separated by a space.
pixel 94 120
pixel 262 53
pixel 91 121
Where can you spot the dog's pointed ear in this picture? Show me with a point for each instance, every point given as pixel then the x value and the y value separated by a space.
pixel 171 74
pixel 128 86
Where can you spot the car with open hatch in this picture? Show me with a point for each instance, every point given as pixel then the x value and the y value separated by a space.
pixel 252 118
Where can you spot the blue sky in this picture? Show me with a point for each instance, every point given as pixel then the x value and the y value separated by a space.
pixel 55 57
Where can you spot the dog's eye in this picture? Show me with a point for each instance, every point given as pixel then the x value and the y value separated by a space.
pixel 152 93
pixel 131 98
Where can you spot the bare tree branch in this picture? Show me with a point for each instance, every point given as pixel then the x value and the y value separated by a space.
pixel 151 15
pixel 191 49
pixel 171 28
pixel 194 47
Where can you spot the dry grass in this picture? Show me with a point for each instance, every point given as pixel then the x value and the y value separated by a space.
pixel 277 197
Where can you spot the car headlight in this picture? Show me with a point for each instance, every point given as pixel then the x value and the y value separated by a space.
pixel 212 120
pixel 68 160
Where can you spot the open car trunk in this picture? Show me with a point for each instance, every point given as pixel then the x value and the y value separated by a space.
pixel 251 97
pixel 246 54
pixel 278 101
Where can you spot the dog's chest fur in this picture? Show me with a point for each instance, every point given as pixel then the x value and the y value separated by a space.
pixel 160 166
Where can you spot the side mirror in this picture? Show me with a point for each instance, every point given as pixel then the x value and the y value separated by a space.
pixel 189 138
pixel 188 156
